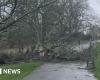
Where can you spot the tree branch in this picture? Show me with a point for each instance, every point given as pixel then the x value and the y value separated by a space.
pixel 12 11
pixel 13 22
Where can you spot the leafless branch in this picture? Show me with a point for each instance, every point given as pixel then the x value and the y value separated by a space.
pixel 13 22
pixel 12 11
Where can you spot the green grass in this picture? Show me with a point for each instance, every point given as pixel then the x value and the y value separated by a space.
pixel 26 68
pixel 97 61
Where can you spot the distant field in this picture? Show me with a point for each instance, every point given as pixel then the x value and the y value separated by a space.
pixel 26 68
pixel 97 61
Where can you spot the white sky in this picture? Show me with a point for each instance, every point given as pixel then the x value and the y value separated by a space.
pixel 95 5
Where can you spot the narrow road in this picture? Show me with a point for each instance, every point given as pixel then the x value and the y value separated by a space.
pixel 61 71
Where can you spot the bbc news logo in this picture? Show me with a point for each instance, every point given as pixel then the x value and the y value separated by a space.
pixel 9 71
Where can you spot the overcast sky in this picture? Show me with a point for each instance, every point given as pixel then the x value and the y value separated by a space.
pixel 95 5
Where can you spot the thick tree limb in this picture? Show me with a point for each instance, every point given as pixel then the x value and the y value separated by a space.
pixel 12 11
pixel 13 22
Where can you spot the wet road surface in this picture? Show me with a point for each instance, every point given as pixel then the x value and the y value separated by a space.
pixel 61 71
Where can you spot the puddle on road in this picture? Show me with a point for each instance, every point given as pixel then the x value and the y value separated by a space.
pixel 61 71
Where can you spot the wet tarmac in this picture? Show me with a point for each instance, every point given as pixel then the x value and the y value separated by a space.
pixel 61 71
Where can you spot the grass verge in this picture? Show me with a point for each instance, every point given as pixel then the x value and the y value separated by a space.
pixel 26 68
pixel 97 61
